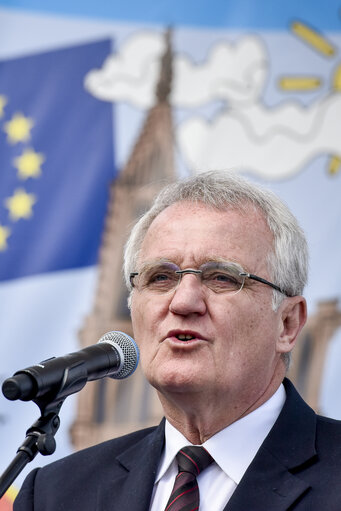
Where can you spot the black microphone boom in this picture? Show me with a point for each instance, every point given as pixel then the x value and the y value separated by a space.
pixel 115 355
pixel 50 382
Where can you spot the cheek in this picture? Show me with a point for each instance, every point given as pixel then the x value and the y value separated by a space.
pixel 247 331
pixel 258 342
pixel 140 331
pixel 146 319
pixel 136 315
pixel 148 309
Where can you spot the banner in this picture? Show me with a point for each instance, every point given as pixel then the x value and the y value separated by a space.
pixel 256 88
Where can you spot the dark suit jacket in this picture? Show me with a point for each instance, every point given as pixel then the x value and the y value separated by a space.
pixel 298 468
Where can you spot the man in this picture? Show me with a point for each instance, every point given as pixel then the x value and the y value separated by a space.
pixel 216 269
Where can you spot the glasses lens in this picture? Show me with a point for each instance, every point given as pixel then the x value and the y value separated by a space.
pixel 222 277
pixel 159 277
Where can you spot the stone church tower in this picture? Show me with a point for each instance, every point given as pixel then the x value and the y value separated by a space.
pixel 309 356
pixel 109 408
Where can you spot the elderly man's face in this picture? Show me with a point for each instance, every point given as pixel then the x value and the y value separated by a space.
pixel 233 349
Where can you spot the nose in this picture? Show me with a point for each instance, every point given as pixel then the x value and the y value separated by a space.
pixel 188 297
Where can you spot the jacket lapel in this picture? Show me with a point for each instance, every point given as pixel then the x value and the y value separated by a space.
pixel 267 484
pixel 273 481
pixel 133 475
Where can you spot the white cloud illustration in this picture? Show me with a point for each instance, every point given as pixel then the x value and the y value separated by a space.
pixel 231 71
pixel 271 142
pixel 130 75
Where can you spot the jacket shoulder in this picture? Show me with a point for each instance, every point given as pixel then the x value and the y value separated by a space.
pixel 77 479
pixel 328 438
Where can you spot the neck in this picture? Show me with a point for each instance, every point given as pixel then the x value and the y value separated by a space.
pixel 199 417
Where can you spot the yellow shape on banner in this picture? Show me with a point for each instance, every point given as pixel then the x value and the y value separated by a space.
pixel 334 165
pixel 3 103
pixel 11 493
pixel 6 502
pixel 29 164
pixel 313 38
pixel 4 233
pixel 20 204
pixel 299 83
pixel 337 79
pixel 18 128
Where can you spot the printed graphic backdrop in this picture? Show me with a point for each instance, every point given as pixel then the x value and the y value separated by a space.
pixel 256 88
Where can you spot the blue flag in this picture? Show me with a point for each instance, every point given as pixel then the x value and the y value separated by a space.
pixel 57 160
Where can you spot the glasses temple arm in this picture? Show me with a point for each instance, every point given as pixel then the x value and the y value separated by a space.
pixel 263 281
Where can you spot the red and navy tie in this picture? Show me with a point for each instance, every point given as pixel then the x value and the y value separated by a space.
pixel 185 494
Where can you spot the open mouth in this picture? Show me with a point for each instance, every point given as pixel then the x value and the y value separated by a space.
pixel 184 337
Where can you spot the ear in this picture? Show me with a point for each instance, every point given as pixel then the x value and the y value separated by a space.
pixel 293 315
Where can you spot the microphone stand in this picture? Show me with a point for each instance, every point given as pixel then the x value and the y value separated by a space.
pixel 40 436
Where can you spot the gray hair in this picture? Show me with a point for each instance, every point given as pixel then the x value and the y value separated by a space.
pixel 288 263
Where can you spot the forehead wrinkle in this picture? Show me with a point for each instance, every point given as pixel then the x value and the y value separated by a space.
pixel 146 265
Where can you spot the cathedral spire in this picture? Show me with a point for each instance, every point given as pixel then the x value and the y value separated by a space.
pixel 149 166
pixel 164 85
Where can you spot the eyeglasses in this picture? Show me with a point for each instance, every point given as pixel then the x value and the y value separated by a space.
pixel 220 277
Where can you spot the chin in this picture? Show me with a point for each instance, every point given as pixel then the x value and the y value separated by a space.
pixel 175 381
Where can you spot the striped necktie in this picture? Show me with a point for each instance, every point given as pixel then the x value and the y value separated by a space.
pixel 185 494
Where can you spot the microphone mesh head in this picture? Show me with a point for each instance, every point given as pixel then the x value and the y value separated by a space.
pixel 128 350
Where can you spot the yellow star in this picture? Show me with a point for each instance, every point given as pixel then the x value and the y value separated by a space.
pixel 4 233
pixel 3 103
pixel 29 163
pixel 20 204
pixel 18 129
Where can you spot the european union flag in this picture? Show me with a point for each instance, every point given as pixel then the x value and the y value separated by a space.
pixel 56 161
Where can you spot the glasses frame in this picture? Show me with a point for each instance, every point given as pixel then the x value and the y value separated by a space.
pixel 264 281
pixel 244 274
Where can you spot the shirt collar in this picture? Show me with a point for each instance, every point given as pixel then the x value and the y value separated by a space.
pixel 234 447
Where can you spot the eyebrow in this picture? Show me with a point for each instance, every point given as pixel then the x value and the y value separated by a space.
pixel 149 264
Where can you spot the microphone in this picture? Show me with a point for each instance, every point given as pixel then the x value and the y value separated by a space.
pixel 115 355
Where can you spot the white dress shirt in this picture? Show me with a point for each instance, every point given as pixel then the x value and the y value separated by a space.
pixel 232 449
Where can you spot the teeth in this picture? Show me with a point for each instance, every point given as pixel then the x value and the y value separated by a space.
pixel 183 337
